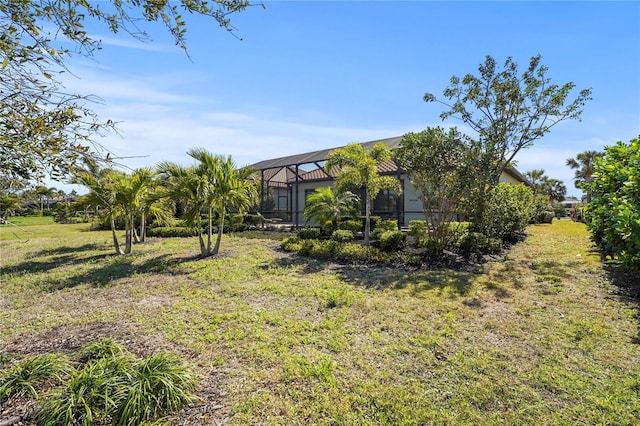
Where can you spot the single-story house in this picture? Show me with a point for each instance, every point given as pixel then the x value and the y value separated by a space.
pixel 287 181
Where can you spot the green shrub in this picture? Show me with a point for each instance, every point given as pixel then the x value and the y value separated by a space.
pixel 392 240
pixel 559 210
pixel 352 225
pixel 387 225
pixel 433 245
pixel 418 228
pixel 476 242
pixel 613 215
pixel 167 232
pixel 507 211
pixel 309 233
pixel 342 236
pixel 307 247
pixel 253 220
pixel 292 243
pixel 541 210
pixel 27 376
pixel 473 242
pixel 459 229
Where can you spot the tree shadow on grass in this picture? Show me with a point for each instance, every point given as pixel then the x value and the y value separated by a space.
pixel 627 283
pixel 307 265
pixel 449 282
pixel 118 267
pixel 35 266
pixel 71 249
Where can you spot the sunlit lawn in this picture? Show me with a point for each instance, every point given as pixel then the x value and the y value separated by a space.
pixel 541 336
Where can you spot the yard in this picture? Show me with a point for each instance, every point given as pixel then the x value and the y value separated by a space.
pixel 547 334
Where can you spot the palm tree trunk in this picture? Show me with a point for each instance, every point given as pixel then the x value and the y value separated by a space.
pixel 210 231
pixel 143 227
pixel 216 249
pixel 116 245
pixel 367 222
pixel 203 248
pixel 128 234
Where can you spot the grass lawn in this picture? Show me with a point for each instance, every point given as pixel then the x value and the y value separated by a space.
pixel 547 334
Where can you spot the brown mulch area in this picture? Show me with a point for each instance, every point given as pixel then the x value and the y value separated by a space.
pixel 210 408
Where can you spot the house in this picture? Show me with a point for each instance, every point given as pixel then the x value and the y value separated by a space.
pixel 287 181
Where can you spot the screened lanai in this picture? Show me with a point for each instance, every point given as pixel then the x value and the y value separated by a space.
pixel 286 181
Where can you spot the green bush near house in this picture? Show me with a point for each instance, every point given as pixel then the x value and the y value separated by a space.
pixel 507 212
pixel 309 233
pixel 342 236
pixel 352 225
pixel 170 232
pixel 613 215
pixel 392 240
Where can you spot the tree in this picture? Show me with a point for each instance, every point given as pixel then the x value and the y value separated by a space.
pixel 554 189
pixel 613 215
pixel 9 203
pixel 583 165
pixel 437 163
pixel 543 184
pixel 359 169
pixel 215 186
pixel 104 185
pixel 327 205
pixel 227 189
pixel 44 129
pixel 509 111
pixel 187 186
pixel 536 178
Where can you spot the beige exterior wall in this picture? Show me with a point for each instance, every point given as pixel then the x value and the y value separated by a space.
pixel 412 202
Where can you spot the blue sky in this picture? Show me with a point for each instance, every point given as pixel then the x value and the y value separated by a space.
pixel 316 75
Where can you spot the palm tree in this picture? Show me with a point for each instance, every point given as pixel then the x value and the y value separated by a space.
pixel 536 178
pixel 326 204
pixel 554 189
pixel 583 165
pixel 228 189
pixel 359 169
pixel 188 185
pixel 104 185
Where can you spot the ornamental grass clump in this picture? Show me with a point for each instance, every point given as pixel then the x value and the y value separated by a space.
pixel 102 348
pixel 109 386
pixel 160 384
pixel 27 376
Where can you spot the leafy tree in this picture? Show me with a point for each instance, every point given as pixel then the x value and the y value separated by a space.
pixel 437 163
pixel 327 205
pixel 359 169
pixel 613 215
pixel 509 111
pixel 43 128
pixel 583 165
